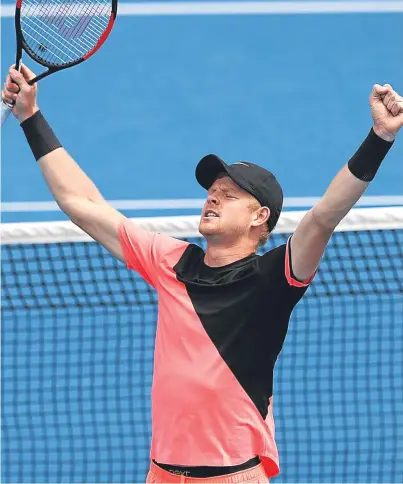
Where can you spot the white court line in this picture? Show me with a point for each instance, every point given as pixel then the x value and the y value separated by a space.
pixel 192 203
pixel 245 8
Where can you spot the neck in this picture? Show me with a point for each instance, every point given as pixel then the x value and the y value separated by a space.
pixel 222 254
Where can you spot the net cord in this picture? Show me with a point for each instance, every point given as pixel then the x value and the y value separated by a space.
pixel 359 219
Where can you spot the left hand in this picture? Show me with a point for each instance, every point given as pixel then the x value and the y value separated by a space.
pixel 387 111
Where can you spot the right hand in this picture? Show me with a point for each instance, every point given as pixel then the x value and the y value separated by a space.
pixel 17 90
pixel 387 111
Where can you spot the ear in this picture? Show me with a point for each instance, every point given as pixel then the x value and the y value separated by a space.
pixel 261 216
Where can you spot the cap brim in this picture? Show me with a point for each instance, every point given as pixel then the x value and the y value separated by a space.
pixel 208 169
pixel 211 166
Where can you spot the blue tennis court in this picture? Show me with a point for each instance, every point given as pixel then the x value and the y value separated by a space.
pixel 287 91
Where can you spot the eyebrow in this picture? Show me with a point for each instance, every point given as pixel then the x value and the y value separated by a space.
pixel 223 189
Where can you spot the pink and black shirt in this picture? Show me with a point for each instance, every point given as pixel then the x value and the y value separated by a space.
pixel 219 333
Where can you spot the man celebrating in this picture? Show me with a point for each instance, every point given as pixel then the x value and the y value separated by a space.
pixel 223 313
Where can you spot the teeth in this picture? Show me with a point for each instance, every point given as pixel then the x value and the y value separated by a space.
pixel 211 214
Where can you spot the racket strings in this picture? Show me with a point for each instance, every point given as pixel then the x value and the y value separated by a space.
pixel 66 26
pixel 49 46
pixel 59 33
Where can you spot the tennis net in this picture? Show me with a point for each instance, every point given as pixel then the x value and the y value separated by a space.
pixel 77 354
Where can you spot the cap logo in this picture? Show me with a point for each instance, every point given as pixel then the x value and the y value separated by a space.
pixel 240 163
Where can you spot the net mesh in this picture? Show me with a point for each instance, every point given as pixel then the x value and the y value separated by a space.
pixel 59 33
pixel 77 353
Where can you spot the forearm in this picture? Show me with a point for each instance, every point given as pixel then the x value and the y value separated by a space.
pixel 66 180
pixel 343 192
pixel 352 180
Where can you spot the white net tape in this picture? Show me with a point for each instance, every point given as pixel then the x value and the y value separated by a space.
pixel 388 218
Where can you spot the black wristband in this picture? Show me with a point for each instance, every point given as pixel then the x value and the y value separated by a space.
pixel 369 156
pixel 40 136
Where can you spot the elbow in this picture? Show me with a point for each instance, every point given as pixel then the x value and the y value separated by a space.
pixel 67 205
pixel 73 207
pixel 325 217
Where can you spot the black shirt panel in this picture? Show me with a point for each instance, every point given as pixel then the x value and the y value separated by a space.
pixel 245 308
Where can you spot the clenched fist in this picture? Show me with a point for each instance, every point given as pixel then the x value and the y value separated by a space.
pixel 387 111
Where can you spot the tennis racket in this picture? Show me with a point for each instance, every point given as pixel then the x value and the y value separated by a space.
pixel 59 34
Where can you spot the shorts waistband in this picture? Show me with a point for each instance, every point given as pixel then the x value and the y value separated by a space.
pixel 208 471
pixel 255 473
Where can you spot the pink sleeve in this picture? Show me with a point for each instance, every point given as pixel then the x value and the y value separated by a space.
pixel 292 281
pixel 144 250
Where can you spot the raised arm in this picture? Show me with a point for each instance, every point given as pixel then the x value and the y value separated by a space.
pixel 72 189
pixel 315 229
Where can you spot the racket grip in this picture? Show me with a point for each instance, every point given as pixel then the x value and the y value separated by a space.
pixel 5 112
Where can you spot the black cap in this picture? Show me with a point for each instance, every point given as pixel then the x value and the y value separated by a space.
pixel 254 179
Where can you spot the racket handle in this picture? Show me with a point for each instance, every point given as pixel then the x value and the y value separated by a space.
pixel 5 112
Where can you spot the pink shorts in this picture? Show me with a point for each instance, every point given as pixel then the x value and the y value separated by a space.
pixel 256 474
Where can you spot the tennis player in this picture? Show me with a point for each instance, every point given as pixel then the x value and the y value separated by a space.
pixel 223 313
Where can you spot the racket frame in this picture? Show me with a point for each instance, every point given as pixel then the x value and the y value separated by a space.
pixel 22 45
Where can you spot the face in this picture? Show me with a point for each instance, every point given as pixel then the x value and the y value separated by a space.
pixel 230 213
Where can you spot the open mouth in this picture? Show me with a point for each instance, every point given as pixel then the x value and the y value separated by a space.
pixel 210 214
